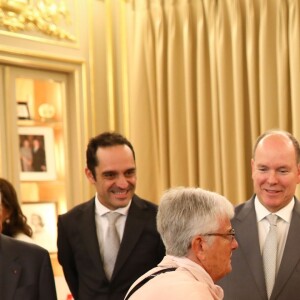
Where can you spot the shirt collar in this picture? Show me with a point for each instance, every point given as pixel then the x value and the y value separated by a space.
pixel 285 213
pixel 101 210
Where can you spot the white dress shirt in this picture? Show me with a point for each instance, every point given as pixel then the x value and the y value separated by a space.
pixel 102 222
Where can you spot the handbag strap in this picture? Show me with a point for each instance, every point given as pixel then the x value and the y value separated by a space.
pixel 141 283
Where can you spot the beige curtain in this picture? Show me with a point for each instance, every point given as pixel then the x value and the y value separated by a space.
pixel 205 78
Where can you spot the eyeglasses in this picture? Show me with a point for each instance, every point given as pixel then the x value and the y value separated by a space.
pixel 230 234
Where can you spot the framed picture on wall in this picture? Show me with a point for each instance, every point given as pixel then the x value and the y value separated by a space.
pixel 23 111
pixel 37 159
pixel 42 218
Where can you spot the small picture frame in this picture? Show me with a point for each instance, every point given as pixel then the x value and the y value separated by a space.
pixel 37 158
pixel 42 218
pixel 23 111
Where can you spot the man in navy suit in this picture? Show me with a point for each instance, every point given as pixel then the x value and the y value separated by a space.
pixel 82 231
pixel 276 174
pixel 25 270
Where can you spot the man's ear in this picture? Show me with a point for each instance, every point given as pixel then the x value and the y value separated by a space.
pixel 89 175
pixel 198 247
pixel 298 168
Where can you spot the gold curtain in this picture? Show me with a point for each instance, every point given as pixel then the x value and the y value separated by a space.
pixel 205 78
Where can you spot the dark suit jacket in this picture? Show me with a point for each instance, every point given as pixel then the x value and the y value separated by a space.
pixel 246 281
pixel 38 160
pixel 25 271
pixel 78 251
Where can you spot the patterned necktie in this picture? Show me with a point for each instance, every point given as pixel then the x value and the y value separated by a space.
pixel 270 254
pixel 111 244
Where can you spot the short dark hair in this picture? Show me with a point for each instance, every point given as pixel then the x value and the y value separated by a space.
pixel 285 133
pixel 103 140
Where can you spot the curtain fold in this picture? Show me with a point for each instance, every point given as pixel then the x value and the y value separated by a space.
pixel 206 78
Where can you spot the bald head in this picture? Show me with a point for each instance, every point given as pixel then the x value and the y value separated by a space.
pixel 278 135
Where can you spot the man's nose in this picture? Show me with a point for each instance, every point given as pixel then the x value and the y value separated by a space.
pixel 235 244
pixel 272 177
pixel 122 181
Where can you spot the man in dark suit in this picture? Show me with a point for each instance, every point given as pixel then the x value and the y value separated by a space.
pixel 82 232
pixel 25 270
pixel 275 173
pixel 38 156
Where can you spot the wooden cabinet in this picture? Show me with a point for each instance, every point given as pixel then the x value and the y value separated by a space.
pixel 49 107
pixel 41 73
pixel 41 133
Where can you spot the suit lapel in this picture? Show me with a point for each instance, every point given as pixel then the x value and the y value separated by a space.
pixel 291 254
pixel 133 229
pixel 248 239
pixel 87 228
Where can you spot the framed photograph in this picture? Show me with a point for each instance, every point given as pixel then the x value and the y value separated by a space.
pixel 37 159
pixel 42 218
pixel 23 111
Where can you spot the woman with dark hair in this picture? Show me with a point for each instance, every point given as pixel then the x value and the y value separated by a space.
pixel 14 223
